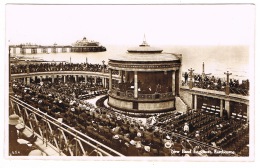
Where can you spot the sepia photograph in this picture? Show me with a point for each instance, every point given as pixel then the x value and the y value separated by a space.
pixel 168 82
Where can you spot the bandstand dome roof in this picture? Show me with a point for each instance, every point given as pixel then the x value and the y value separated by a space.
pixel 144 57
pixel 144 48
pixel 144 53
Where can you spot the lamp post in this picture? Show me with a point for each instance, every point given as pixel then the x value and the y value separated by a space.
pixel 191 75
pixel 203 72
pixel 227 84
pixel 103 66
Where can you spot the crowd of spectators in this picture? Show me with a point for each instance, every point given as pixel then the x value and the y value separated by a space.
pixel 57 66
pixel 217 83
pixel 125 134
pixel 199 80
pixel 229 134
pixel 128 135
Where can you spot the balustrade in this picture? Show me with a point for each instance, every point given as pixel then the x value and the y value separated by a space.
pixel 61 137
pixel 129 94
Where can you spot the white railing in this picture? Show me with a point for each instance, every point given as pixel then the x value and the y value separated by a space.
pixel 61 137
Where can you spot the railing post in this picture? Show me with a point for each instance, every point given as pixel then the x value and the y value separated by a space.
pixel 46 131
pixel 76 148
pixel 59 141
pixel 103 66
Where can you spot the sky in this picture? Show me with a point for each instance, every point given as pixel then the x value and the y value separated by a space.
pixel 127 24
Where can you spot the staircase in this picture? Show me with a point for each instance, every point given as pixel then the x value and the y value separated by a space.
pixel 181 105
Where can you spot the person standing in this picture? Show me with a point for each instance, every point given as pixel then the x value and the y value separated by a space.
pixel 186 128
pixel 186 77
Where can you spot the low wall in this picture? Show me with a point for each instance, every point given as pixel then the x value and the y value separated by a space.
pixel 141 106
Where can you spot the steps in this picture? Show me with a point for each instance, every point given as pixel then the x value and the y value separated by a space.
pixel 181 105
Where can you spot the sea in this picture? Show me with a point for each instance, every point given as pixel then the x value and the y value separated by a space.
pixel 217 59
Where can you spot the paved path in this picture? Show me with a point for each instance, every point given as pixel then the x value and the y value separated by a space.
pixel 94 100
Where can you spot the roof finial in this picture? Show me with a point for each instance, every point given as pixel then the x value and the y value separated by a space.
pixel 144 44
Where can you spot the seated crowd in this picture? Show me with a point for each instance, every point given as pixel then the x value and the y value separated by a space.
pixel 216 83
pixel 128 135
pixel 229 134
pixel 124 134
pixel 61 66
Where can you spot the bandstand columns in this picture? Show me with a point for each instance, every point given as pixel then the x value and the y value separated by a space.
pixel 121 76
pixel 227 107
pixel 135 85
pixel 126 76
pixel 110 79
pixel 221 108
pixel 173 82
pixel 104 82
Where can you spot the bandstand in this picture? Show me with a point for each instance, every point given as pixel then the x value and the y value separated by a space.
pixel 149 80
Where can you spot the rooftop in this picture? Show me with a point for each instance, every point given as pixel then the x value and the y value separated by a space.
pixel 144 48
pixel 144 53
pixel 146 57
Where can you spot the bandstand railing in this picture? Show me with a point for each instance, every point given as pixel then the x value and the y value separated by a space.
pixel 129 94
pixel 57 135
